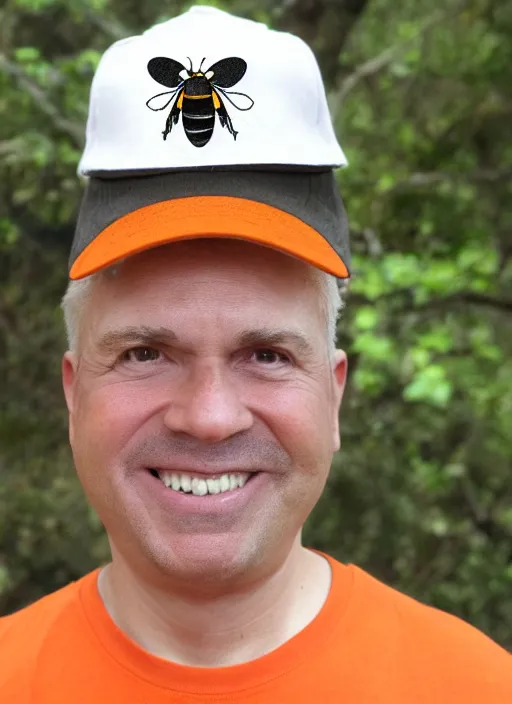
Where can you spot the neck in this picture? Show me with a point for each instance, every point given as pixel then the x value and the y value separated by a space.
pixel 223 631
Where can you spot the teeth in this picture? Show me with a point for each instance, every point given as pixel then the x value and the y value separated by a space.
pixel 185 481
pixel 213 486
pixel 201 487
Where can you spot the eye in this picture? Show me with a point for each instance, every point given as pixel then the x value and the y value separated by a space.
pixel 140 354
pixel 269 357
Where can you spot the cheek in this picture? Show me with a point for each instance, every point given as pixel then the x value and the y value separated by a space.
pixel 108 417
pixel 299 417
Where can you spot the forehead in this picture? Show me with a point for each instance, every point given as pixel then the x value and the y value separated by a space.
pixel 224 279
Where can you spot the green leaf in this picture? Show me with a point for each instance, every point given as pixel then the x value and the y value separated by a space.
pixel 429 385
pixel 385 182
pixel 374 347
pixel 27 54
pixel 366 318
pixel 439 339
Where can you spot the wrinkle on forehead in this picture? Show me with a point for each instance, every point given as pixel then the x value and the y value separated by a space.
pixel 241 268
pixel 229 254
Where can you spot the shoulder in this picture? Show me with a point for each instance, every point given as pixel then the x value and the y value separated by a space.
pixel 24 633
pixel 37 616
pixel 434 641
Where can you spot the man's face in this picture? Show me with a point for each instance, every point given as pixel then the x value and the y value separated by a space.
pixel 199 362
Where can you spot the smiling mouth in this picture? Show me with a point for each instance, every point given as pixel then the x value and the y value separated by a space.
pixel 202 486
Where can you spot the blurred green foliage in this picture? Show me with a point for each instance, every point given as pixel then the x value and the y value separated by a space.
pixel 421 95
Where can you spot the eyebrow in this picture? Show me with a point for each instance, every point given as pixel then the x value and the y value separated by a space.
pixel 145 335
pixel 135 335
pixel 272 338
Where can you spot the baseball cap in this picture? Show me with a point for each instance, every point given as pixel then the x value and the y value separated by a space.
pixel 210 125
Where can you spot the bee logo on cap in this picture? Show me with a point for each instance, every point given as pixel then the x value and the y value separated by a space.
pixel 197 95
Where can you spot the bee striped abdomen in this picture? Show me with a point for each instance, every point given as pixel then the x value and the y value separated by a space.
pixel 198 116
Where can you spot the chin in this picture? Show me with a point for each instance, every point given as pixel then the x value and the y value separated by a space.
pixel 204 561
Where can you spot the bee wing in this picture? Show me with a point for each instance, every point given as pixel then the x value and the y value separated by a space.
pixel 227 72
pixel 166 71
pixel 241 102
pixel 162 100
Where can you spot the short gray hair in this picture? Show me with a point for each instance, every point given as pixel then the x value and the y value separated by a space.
pixel 332 301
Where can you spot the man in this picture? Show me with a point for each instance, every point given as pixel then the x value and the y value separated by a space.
pixel 203 389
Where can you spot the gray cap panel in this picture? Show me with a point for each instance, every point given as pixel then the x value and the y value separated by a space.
pixel 313 197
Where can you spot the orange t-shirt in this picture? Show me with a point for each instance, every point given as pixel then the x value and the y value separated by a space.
pixel 369 644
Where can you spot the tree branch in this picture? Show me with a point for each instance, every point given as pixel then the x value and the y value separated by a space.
pixel 73 130
pixel 483 519
pixel 379 62
pixel 325 25
pixel 111 28
pixel 9 146
pixel 479 299
pixel 483 300
pixel 432 178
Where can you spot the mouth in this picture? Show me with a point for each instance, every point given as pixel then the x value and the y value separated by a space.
pixel 202 485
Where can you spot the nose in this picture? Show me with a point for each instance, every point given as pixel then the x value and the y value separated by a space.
pixel 207 407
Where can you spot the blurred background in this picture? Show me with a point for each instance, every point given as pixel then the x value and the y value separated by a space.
pixel 421 95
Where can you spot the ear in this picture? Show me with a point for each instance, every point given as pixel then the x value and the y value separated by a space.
pixel 69 368
pixel 340 368
pixel 69 365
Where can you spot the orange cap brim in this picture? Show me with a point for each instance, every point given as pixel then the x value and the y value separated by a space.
pixel 207 216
